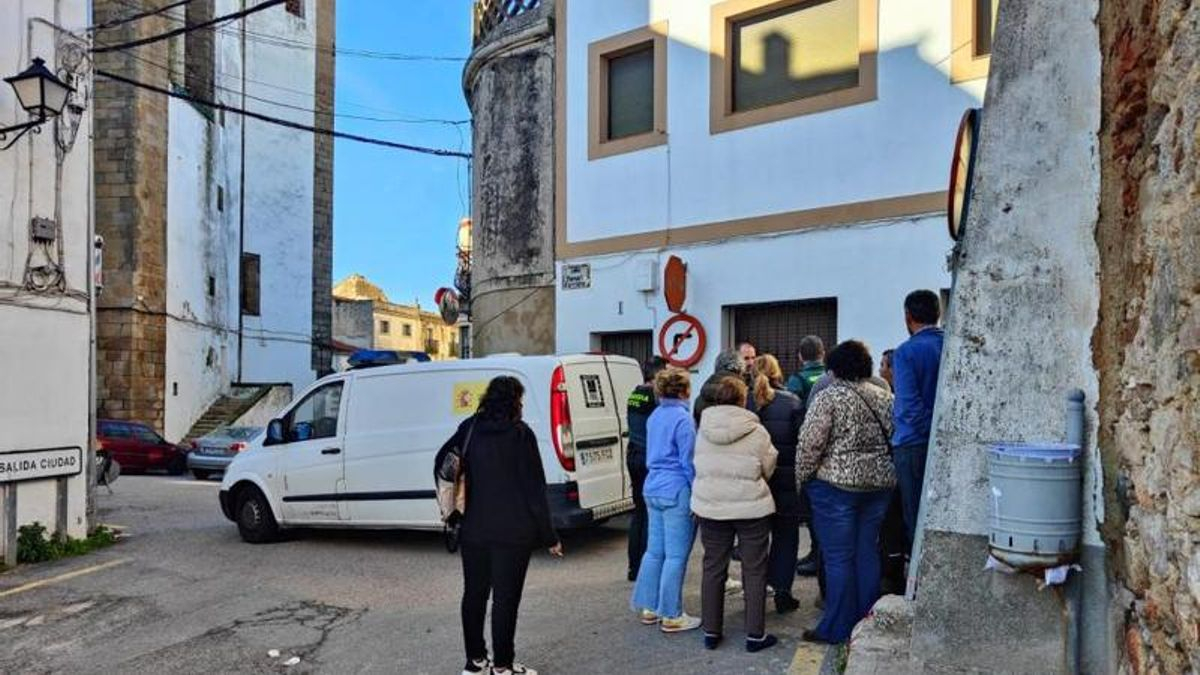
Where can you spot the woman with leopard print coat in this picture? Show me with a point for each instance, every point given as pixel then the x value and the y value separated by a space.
pixel 845 449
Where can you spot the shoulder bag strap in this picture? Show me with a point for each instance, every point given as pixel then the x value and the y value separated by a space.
pixel 887 438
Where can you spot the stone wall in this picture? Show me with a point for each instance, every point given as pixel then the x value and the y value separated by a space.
pixel 130 178
pixel 322 272
pixel 509 84
pixel 1148 340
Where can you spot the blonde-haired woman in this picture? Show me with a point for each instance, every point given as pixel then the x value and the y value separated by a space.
pixel 781 412
pixel 670 444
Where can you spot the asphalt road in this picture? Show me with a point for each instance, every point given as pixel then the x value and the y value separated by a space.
pixel 183 594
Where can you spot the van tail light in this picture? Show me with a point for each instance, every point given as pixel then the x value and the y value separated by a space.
pixel 238 447
pixel 560 420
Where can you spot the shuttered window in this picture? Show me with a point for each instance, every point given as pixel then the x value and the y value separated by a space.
pixel 637 345
pixel 251 272
pixel 631 93
pixel 776 328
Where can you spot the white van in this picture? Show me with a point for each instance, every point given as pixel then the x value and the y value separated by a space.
pixel 356 449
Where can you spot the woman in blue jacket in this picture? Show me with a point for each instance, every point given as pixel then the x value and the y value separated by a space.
pixel 670 443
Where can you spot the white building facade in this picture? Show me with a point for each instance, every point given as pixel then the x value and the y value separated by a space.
pixel 794 154
pixel 45 278
pixel 241 294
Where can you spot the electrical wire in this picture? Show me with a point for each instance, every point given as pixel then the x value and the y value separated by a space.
pixel 475 328
pixel 188 28
pixel 439 152
pixel 139 16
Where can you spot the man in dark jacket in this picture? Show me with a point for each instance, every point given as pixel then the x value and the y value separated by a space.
pixel 641 403
pixel 812 367
pixel 728 362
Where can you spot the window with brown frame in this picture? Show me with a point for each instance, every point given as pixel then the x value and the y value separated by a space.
pixel 627 92
pixel 973 24
pixel 776 59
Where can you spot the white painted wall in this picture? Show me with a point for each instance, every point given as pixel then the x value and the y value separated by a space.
pixel 896 145
pixel 201 242
pixel 279 200
pixel 899 144
pixel 204 240
pixel 856 265
pixel 44 340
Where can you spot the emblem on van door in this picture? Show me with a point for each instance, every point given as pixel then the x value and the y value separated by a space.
pixel 593 394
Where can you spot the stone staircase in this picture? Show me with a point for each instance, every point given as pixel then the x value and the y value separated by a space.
pixel 227 409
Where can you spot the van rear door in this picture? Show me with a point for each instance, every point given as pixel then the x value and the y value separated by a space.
pixel 596 428
pixel 625 375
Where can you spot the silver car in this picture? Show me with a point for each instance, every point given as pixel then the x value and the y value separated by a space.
pixel 212 453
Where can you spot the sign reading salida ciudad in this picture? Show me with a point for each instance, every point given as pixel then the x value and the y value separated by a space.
pixel 35 464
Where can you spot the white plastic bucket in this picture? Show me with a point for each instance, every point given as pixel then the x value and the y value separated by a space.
pixel 1036 515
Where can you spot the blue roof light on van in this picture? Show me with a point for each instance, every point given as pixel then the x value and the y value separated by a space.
pixel 371 358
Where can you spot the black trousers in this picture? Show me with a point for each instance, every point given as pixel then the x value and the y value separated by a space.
pixel 500 572
pixel 753 537
pixel 785 540
pixel 638 524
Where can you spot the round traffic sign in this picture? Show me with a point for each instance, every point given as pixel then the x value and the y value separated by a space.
pixel 681 340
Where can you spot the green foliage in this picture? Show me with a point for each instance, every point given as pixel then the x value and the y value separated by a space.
pixel 840 657
pixel 34 546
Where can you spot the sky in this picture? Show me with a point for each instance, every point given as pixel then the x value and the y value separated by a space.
pixel 396 213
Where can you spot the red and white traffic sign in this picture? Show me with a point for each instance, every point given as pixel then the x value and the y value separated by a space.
pixel 681 340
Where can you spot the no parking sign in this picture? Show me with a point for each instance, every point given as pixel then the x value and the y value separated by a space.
pixel 681 340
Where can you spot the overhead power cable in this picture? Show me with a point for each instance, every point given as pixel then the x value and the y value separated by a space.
pixel 439 152
pixel 188 28
pixel 139 16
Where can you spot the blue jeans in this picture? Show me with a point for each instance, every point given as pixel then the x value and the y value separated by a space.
pixel 910 480
pixel 848 526
pixel 659 586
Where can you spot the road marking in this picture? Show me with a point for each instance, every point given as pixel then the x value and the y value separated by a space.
pixel 62 577
pixel 808 659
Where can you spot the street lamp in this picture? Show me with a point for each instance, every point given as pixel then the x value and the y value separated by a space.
pixel 40 93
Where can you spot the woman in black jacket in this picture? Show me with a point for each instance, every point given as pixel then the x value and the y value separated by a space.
pixel 505 520
pixel 781 412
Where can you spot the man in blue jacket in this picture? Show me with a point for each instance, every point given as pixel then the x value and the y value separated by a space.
pixel 915 373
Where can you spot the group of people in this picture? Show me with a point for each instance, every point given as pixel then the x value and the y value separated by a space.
pixel 832 446
pixel 755 457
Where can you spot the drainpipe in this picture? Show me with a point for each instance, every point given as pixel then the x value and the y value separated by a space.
pixel 1076 420
pixel 241 200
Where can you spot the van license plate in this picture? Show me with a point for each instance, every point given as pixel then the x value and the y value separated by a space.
pixel 595 456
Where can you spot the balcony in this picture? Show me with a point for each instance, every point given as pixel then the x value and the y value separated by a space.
pixel 490 14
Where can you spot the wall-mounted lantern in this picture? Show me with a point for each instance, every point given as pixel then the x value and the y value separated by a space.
pixel 41 94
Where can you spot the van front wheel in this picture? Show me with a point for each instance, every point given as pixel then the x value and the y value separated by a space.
pixel 255 521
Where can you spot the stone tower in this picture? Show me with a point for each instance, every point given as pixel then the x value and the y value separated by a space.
pixel 509 85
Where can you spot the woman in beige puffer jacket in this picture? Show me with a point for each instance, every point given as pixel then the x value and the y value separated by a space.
pixel 734 458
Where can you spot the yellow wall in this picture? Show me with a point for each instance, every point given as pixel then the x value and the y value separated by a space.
pixel 426 332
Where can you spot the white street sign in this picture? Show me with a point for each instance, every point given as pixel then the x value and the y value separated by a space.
pixel 35 464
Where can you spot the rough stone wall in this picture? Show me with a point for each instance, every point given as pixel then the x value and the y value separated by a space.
pixel 322 272
pixel 509 85
pixel 198 52
pixel 130 174
pixel 1147 345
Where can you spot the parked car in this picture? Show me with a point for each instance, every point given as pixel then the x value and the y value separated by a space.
pixel 213 452
pixel 137 447
pixel 356 449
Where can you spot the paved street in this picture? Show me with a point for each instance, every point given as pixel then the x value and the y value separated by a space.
pixel 183 594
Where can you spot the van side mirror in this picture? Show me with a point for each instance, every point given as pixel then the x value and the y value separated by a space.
pixel 274 433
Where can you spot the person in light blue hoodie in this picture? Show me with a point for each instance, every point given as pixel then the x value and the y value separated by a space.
pixel 670 444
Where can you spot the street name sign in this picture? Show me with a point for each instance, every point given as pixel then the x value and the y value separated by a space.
pixel 576 276
pixel 25 465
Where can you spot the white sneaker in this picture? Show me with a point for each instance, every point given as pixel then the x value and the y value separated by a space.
pixel 679 624
pixel 732 586
pixel 478 667
pixel 517 669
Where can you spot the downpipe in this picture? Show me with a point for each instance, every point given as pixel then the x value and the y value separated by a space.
pixel 1076 430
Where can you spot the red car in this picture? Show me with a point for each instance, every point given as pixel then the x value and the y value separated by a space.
pixel 137 447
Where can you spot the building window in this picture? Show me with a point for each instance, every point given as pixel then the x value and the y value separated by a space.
pixel 972 27
pixel 777 327
pixel 251 272
pixel 220 199
pixel 295 8
pixel 212 286
pixel 773 60
pixel 385 327
pixel 407 330
pixel 627 92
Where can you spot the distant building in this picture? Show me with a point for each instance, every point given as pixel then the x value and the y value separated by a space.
pixel 364 317
pixel 219 229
